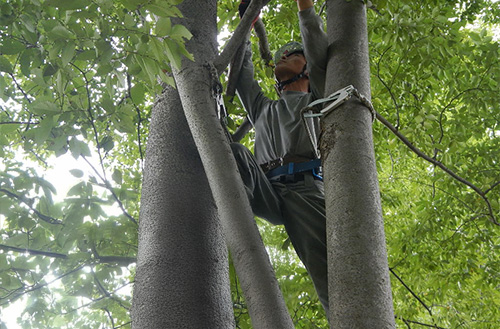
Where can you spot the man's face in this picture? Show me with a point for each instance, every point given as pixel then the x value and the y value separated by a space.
pixel 289 66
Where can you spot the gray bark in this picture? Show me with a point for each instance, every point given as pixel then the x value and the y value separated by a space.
pixel 182 278
pixel 195 81
pixel 359 286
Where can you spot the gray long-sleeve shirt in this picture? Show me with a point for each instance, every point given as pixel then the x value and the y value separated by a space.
pixel 279 129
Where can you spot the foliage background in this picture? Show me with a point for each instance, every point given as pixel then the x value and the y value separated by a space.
pixel 78 79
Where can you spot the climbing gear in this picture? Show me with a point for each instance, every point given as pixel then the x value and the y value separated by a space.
pixel 293 168
pixel 337 98
pixel 219 100
pixel 287 50
pixel 268 166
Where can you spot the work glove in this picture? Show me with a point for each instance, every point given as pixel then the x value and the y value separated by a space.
pixel 243 7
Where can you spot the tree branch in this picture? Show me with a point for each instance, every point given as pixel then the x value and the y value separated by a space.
pixel 492 187
pixel 139 121
pixel 91 118
pixel 260 31
pixel 242 130
pixel 437 163
pixel 222 61
pixel 414 295
pixel 33 252
pixel 29 203
pixel 19 123
pixel 25 290
pixel 450 103
pixel 118 260
pixel 235 68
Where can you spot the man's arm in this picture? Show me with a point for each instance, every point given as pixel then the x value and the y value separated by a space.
pixel 248 90
pixel 315 43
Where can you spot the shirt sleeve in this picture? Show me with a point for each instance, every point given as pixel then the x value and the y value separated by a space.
pixel 248 90
pixel 315 43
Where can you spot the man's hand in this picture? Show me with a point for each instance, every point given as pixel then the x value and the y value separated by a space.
pixel 304 4
pixel 243 7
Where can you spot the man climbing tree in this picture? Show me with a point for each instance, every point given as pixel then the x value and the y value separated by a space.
pixel 282 180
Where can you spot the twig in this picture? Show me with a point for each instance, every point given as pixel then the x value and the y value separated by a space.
pixel 19 123
pixel 492 187
pixel 29 203
pixel 139 121
pixel 33 252
pixel 109 188
pixel 91 118
pixel 437 163
pixel 119 260
pixel 407 322
pixel 414 295
pixel 450 103
pixel 396 105
pixel 38 286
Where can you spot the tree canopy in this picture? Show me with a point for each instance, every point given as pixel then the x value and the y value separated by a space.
pixel 78 78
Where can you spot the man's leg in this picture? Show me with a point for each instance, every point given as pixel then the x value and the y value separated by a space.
pixel 263 199
pixel 305 223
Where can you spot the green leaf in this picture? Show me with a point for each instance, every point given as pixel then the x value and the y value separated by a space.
pixel 107 143
pixel 137 93
pixel 163 26
pixel 78 148
pixel 68 4
pixel 164 11
pixel 172 53
pixel 44 107
pixel 5 65
pixel 50 70
pixel 11 47
pixel 117 176
pixel 25 61
pixel 180 31
pixel 60 32
pixel 77 173
pixel 68 53
pixel 78 189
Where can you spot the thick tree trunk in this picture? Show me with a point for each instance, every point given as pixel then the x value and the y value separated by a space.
pixel 359 286
pixel 182 278
pixel 195 82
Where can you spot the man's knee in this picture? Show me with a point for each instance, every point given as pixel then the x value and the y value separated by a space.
pixel 241 153
pixel 238 149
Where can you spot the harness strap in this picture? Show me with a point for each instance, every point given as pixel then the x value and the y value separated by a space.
pixel 294 168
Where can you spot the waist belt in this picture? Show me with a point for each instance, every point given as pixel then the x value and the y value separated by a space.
pixel 293 168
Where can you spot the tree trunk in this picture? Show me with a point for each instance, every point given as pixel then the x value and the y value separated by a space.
pixel 182 278
pixel 359 286
pixel 195 82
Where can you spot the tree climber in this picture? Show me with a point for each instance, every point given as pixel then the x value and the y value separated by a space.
pixel 282 179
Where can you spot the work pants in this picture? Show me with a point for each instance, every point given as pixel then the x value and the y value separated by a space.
pixel 300 206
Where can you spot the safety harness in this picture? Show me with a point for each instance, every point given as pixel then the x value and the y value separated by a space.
pixel 311 111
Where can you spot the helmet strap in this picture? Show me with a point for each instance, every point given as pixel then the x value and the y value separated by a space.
pixel 281 84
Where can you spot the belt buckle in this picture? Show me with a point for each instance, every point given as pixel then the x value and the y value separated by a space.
pixel 275 164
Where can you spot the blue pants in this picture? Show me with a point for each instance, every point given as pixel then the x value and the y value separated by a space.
pixel 300 206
